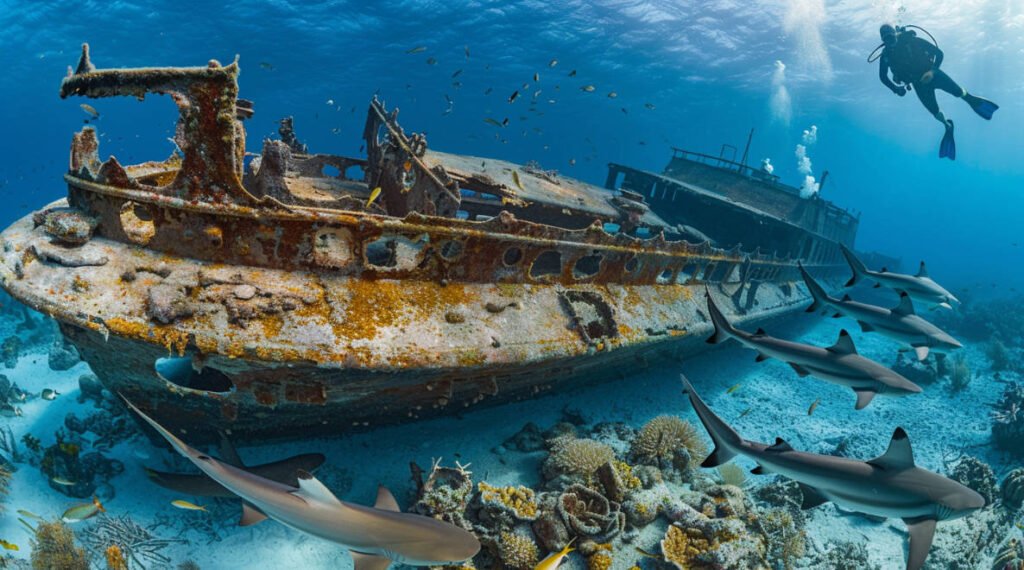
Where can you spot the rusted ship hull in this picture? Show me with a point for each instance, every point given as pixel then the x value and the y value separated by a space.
pixel 429 348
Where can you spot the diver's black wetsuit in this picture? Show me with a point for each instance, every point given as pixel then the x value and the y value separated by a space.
pixel 909 59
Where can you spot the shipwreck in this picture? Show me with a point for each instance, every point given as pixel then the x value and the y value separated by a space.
pixel 291 293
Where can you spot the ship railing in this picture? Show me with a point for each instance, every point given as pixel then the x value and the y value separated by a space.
pixel 723 163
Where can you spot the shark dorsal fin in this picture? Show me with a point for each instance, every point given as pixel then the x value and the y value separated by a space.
pixel 844 344
pixel 906 306
pixel 884 270
pixel 899 455
pixel 780 445
pixel 847 297
pixel 311 489
pixel 923 271
pixel 759 332
pixel 228 453
pixel 385 500
pixel 251 515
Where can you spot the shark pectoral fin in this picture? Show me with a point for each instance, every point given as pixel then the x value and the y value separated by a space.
pixel 899 455
pixel 922 531
pixel 864 327
pixel 385 500
pixel 921 352
pixel 311 489
pixel 251 515
pixel 228 453
pixel 812 498
pixel 800 370
pixel 761 357
pixel 369 561
pixel 864 398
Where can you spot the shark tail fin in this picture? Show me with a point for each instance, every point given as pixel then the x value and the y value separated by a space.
pixel 723 328
pixel 724 437
pixel 856 265
pixel 818 294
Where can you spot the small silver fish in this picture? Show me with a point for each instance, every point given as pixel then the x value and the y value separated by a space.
pixel 649 106
pixel 49 394
pixel 89 109
pixel 512 98
pixel 553 63
pixel 536 77
pixel 814 406
pixel 431 60
pixel 417 49
pixel 588 88
pixel 612 95
pixel 63 482
pixel 457 73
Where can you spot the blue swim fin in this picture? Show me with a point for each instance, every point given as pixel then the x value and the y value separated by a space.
pixel 983 107
pixel 947 148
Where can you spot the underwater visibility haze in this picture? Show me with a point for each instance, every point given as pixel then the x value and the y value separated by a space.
pixel 605 285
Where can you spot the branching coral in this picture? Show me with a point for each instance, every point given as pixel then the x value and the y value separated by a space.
pixel 960 374
pixel 54 547
pixel 580 457
pixel 786 542
pixel 137 544
pixel 518 551
pixel 660 438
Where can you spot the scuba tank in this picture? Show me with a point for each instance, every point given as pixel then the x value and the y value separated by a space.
pixel 907 60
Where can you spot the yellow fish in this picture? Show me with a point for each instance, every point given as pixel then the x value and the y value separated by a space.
pixel 814 406
pixel 187 505
pixel 83 511
pixel 555 558
pixel 9 545
pixel 90 110
pixel 373 196
pixel 515 178
pixel 732 389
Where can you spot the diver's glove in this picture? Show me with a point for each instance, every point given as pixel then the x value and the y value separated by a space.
pixel 900 90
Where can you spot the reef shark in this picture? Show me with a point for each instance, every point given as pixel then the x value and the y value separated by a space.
pixel 920 287
pixel 889 486
pixel 839 364
pixel 900 323
pixel 375 536
pixel 283 471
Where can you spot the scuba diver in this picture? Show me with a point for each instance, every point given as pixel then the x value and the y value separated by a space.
pixel 915 63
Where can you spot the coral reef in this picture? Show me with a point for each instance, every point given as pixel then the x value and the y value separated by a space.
pixel 503 507
pixel 1013 489
pixel 576 457
pixel 732 474
pixel 588 513
pixel 137 544
pixel 108 429
pixel 1010 556
pixel 846 556
pixel 444 494
pixel 960 372
pixel 1008 420
pixel 188 565
pixel 917 371
pixel 10 350
pixel 115 558
pixel 90 388
pixel 526 440
pixel 5 485
pixel 63 355
pixel 54 547
pixel 998 355
pixel 660 439
pixel 787 542
pixel 976 474
pixel 518 551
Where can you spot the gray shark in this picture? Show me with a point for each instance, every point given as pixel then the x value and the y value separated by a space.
pixel 889 486
pixel 900 323
pixel 375 536
pixel 920 287
pixel 283 471
pixel 839 364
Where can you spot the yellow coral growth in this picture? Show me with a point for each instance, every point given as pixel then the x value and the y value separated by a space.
pixel 115 558
pixel 518 551
pixel 625 471
pixel 54 547
pixel 599 561
pixel 520 499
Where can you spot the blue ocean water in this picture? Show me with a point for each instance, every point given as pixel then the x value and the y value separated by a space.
pixel 690 74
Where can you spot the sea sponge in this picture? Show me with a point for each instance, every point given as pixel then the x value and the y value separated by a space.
pixel 580 457
pixel 659 439
pixel 115 558
pixel 1013 488
pixel 519 501
pixel 998 355
pixel 732 474
pixel 960 375
pixel 600 561
pixel 54 547
pixel 518 551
